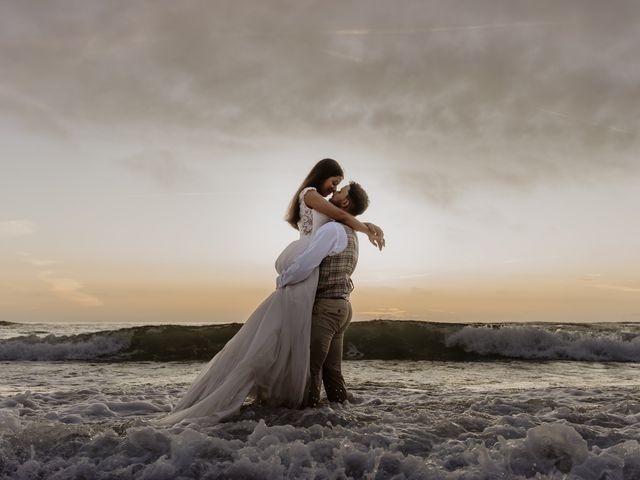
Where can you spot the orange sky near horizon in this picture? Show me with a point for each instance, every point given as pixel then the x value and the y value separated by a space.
pixel 499 299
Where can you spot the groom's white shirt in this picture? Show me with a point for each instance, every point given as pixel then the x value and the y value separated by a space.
pixel 329 239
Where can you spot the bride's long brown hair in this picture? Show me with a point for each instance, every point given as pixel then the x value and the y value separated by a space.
pixel 322 170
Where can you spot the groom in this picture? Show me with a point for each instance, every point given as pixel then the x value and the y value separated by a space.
pixel 335 248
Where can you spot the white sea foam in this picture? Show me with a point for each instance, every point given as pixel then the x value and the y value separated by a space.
pixel 51 347
pixel 539 343
pixel 431 420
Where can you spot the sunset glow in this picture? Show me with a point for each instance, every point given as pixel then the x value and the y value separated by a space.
pixel 150 151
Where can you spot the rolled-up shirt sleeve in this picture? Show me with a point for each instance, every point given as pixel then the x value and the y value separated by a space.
pixel 330 239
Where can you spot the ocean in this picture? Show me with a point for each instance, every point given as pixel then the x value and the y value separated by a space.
pixel 429 401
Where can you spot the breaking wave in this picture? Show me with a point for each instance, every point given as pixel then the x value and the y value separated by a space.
pixel 375 339
pixel 539 344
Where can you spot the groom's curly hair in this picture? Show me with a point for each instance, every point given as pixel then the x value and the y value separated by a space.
pixel 359 200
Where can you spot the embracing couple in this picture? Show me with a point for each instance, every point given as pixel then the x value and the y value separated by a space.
pixel 292 342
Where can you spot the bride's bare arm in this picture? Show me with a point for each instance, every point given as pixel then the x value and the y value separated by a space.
pixel 317 202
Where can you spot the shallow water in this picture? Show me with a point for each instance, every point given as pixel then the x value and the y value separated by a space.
pixel 409 419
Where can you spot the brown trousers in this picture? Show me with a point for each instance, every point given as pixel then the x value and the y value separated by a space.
pixel 330 319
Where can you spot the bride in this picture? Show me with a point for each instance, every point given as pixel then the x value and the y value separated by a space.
pixel 269 356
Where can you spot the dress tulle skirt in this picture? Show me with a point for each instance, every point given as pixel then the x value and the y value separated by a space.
pixel 269 355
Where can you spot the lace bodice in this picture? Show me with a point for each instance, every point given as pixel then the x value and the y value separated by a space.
pixel 305 224
pixel 310 220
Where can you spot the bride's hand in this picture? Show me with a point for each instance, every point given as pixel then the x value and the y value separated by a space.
pixel 376 241
pixel 376 235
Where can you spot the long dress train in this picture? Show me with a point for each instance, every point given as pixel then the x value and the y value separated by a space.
pixel 270 352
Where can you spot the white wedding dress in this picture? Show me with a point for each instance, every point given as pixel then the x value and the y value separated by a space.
pixel 269 355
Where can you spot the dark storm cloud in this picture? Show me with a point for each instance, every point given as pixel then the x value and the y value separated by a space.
pixel 457 92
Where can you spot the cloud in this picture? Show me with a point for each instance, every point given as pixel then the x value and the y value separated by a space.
pixel 411 276
pixel 345 56
pixel 41 263
pixel 516 260
pixel 69 289
pixel 454 93
pixel 162 168
pixel 416 31
pixel 435 310
pixel 220 193
pixel 31 115
pixel 17 228
pixel 590 277
pixel 620 288
pixel 391 312
pixel 37 262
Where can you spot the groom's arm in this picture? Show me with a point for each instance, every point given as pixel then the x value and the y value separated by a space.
pixel 330 239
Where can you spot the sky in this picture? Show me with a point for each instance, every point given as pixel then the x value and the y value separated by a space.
pixel 150 149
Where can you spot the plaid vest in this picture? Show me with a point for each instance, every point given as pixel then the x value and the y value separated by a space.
pixel 334 280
